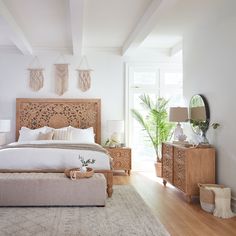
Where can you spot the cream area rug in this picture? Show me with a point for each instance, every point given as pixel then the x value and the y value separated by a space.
pixel 125 214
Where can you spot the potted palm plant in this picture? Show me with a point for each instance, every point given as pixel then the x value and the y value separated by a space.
pixel 155 124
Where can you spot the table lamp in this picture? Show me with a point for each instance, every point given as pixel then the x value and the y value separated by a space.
pixel 5 127
pixel 178 114
pixel 115 132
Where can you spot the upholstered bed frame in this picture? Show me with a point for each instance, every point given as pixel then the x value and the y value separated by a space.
pixel 57 113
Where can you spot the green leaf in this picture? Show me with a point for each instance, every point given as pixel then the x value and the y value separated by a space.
pixel 155 123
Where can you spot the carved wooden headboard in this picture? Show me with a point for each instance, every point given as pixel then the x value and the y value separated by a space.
pixel 57 113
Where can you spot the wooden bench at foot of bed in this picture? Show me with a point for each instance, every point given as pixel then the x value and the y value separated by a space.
pixel 51 189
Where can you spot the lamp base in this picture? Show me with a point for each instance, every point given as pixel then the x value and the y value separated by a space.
pixel 179 133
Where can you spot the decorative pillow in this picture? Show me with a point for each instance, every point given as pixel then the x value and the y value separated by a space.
pixel 45 136
pixel 27 134
pixel 82 135
pixel 62 134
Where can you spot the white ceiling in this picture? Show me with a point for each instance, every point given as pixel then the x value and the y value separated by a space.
pixel 73 25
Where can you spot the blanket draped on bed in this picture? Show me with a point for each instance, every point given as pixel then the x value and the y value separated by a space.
pixel 42 164
pixel 83 146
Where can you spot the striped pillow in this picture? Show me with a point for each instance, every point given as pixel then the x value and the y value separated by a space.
pixel 62 134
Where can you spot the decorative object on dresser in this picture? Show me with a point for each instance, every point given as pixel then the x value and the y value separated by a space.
pixel 185 167
pixel 121 158
pixel 154 122
pixel 5 127
pixel 178 114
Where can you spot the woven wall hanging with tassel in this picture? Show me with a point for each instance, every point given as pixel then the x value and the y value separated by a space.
pixel 36 78
pixel 84 73
pixel 61 77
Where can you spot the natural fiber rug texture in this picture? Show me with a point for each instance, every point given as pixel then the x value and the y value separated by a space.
pixel 125 214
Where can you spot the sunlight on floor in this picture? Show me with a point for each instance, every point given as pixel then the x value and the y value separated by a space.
pixel 146 169
pixel 152 176
pixel 143 165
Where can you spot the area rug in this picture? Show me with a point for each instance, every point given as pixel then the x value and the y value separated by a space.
pixel 125 214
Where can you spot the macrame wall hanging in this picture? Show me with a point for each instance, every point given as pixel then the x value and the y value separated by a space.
pixel 36 78
pixel 61 78
pixel 84 73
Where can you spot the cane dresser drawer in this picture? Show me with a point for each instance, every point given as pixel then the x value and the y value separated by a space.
pixel 185 167
pixel 167 163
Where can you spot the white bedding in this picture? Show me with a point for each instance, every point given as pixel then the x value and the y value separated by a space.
pixel 49 158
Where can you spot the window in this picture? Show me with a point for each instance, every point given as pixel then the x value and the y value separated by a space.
pixel 157 81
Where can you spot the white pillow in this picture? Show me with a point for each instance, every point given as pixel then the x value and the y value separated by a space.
pixel 27 134
pixel 82 135
pixel 62 134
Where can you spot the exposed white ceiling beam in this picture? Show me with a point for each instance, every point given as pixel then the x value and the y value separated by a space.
pixel 146 24
pixel 13 31
pixel 176 49
pixel 76 19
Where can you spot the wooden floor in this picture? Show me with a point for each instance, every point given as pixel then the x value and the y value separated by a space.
pixel 168 204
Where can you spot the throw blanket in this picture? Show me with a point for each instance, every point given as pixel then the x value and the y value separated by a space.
pixel 84 146
pixel 222 202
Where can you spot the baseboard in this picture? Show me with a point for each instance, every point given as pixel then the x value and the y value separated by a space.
pixel 233 204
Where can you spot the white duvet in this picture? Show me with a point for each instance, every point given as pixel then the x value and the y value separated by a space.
pixel 49 158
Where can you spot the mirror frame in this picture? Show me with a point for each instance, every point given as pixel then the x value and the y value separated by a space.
pixel 206 109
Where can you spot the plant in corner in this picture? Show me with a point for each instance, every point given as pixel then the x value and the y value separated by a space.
pixel 154 123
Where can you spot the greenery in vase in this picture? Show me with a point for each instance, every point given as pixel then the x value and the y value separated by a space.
pixel 203 125
pixel 154 121
pixel 86 162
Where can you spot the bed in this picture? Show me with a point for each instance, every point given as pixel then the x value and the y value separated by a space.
pixel 55 156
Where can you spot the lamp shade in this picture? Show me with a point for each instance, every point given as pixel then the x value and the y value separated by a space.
pixel 178 114
pixel 198 113
pixel 5 126
pixel 115 126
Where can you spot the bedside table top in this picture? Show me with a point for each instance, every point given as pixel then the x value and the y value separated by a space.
pixel 117 148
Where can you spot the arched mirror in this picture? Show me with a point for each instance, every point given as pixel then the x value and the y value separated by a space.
pixel 199 114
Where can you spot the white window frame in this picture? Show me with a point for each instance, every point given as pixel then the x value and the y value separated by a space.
pixel 160 68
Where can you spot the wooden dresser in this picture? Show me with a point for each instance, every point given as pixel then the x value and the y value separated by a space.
pixel 121 158
pixel 185 167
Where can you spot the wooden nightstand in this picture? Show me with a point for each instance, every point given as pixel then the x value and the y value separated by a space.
pixel 121 158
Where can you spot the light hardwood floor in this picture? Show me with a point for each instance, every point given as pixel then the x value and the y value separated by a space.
pixel 168 204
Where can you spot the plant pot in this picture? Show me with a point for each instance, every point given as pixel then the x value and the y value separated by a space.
pixel 158 167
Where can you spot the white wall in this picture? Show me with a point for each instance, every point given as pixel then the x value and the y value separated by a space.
pixel 107 83
pixel 108 80
pixel 209 68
